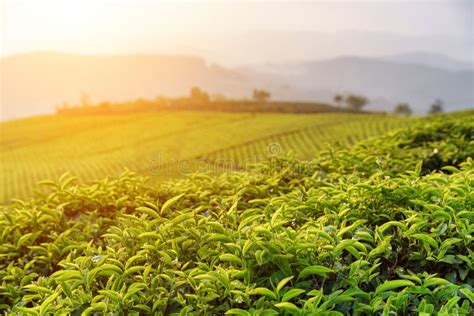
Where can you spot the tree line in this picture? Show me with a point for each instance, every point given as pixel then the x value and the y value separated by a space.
pixel 199 100
pixel 358 102
pixel 260 101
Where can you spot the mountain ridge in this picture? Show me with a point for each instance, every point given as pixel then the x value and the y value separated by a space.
pixel 436 60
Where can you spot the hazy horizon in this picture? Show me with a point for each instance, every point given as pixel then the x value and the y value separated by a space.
pixel 234 33
pixel 415 51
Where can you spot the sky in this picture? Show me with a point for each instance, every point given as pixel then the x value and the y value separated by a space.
pixel 138 26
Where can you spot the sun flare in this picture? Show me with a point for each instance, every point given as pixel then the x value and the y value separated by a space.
pixel 52 19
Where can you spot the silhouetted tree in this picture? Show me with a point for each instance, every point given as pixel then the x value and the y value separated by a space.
pixel 197 94
pixel 356 102
pixel 403 109
pixel 104 105
pixel 338 99
pixel 140 103
pixel 85 99
pixel 218 98
pixel 261 95
pixel 436 107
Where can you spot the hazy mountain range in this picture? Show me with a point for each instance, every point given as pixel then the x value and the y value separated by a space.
pixel 384 80
pixel 432 60
pixel 38 82
pixel 276 46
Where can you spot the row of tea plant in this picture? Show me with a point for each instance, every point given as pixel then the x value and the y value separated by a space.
pixel 385 227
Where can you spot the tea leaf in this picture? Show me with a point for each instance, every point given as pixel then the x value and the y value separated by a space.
pixel 315 270
pixel 390 285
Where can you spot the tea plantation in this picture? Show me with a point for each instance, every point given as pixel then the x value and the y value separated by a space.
pixel 385 227
pixel 163 145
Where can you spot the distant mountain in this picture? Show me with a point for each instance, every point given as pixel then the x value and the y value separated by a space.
pixel 279 46
pixel 432 60
pixel 385 82
pixel 38 82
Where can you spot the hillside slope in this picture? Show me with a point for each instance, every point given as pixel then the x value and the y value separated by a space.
pixel 166 144
pixel 382 228
pixel 434 60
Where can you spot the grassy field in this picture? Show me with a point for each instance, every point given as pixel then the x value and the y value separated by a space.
pixel 167 144
pixel 382 228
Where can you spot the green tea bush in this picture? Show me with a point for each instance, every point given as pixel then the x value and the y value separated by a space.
pixel 382 228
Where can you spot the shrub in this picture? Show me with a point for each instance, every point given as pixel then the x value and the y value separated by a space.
pixel 375 229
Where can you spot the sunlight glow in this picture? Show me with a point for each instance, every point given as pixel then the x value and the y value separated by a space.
pixel 203 27
pixel 62 17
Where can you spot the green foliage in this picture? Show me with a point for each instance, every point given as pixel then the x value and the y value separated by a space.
pixel 383 228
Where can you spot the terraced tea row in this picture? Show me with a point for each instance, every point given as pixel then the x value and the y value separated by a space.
pixel 163 145
pixel 305 142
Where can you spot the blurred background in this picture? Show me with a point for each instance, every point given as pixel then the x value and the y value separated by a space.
pixel 390 51
pixel 167 88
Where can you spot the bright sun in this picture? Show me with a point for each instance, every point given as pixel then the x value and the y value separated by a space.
pixel 74 18
pixel 60 17
pixel 54 24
